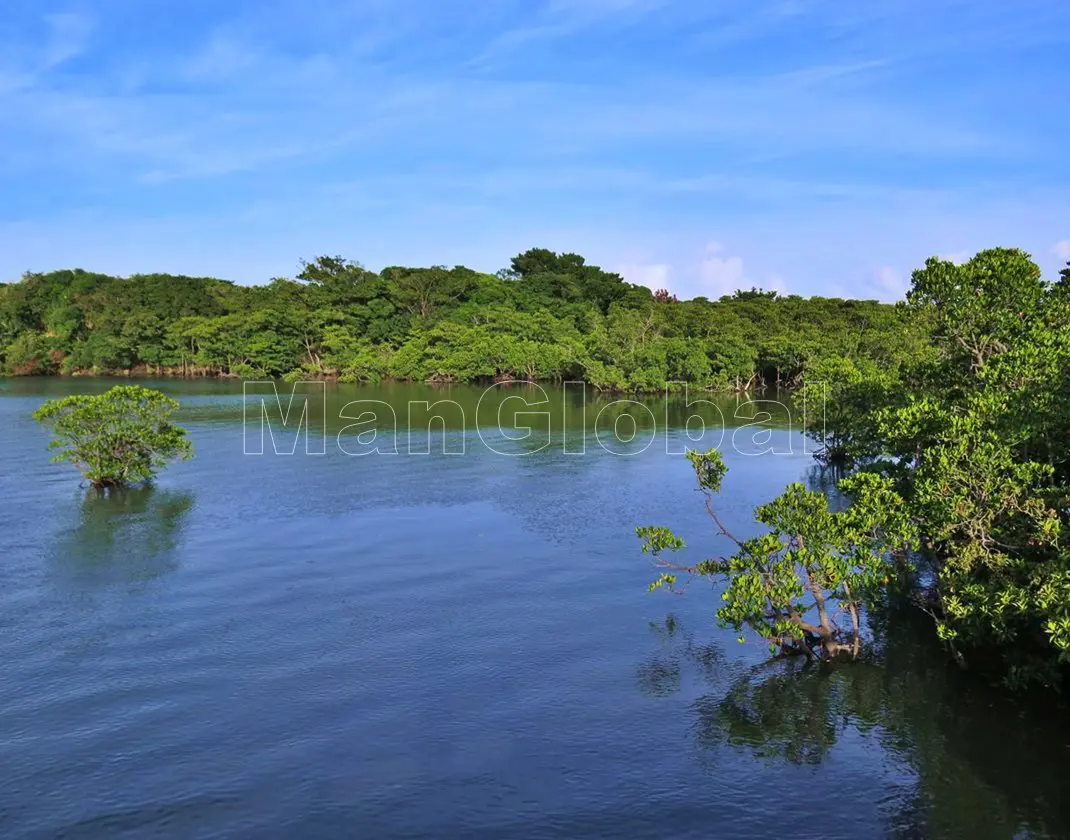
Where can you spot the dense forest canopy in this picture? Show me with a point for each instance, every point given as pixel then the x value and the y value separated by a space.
pixel 957 471
pixel 948 412
pixel 548 316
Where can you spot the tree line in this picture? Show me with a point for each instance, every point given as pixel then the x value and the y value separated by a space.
pixel 956 467
pixel 946 422
pixel 548 316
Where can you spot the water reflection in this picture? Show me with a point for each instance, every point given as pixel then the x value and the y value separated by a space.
pixel 958 774
pixel 513 408
pixel 123 536
pixel 823 477
pixel 661 674
pixel 793 714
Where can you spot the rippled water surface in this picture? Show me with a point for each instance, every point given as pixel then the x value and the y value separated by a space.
pixel 452 646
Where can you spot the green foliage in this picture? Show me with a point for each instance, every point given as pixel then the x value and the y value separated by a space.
pixel 787 584
pixel 985 433
pixel 835 405
pixel 971 427
pixel 31 354
pixel 121 437
pixel 979 307
pixel 709 468
pixel 549 317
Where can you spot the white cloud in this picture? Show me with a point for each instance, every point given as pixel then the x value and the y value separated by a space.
pixel 957 257
pixel 1061 249
pixel 888 284
pixel 720 275
pixel 715 274
pixel 653 276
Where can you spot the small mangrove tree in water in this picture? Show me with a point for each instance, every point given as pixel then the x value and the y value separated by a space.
pixel 803 585
pixel 121 437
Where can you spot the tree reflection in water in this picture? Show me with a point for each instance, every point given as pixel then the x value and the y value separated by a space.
pixel 985 764
pixel 123 536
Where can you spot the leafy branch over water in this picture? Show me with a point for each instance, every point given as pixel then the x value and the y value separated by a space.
pixel 802 586
pixel 963 453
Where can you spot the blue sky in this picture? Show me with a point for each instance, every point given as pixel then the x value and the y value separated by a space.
pixel 813 146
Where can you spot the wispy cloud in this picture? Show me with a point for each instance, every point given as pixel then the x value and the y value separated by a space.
pixel 824 142
pixel 957 257
pixel 561 19
pixel 653 275
pixel 720 274
pixel 69 37
pixel 712 274
pixel 888 284
pixel 61 37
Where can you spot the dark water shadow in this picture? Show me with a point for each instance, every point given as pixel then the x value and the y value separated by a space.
pixel 974 761
pixel 126 536
pixel 661 675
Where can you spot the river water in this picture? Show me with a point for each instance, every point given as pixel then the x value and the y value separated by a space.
pixel 455 643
